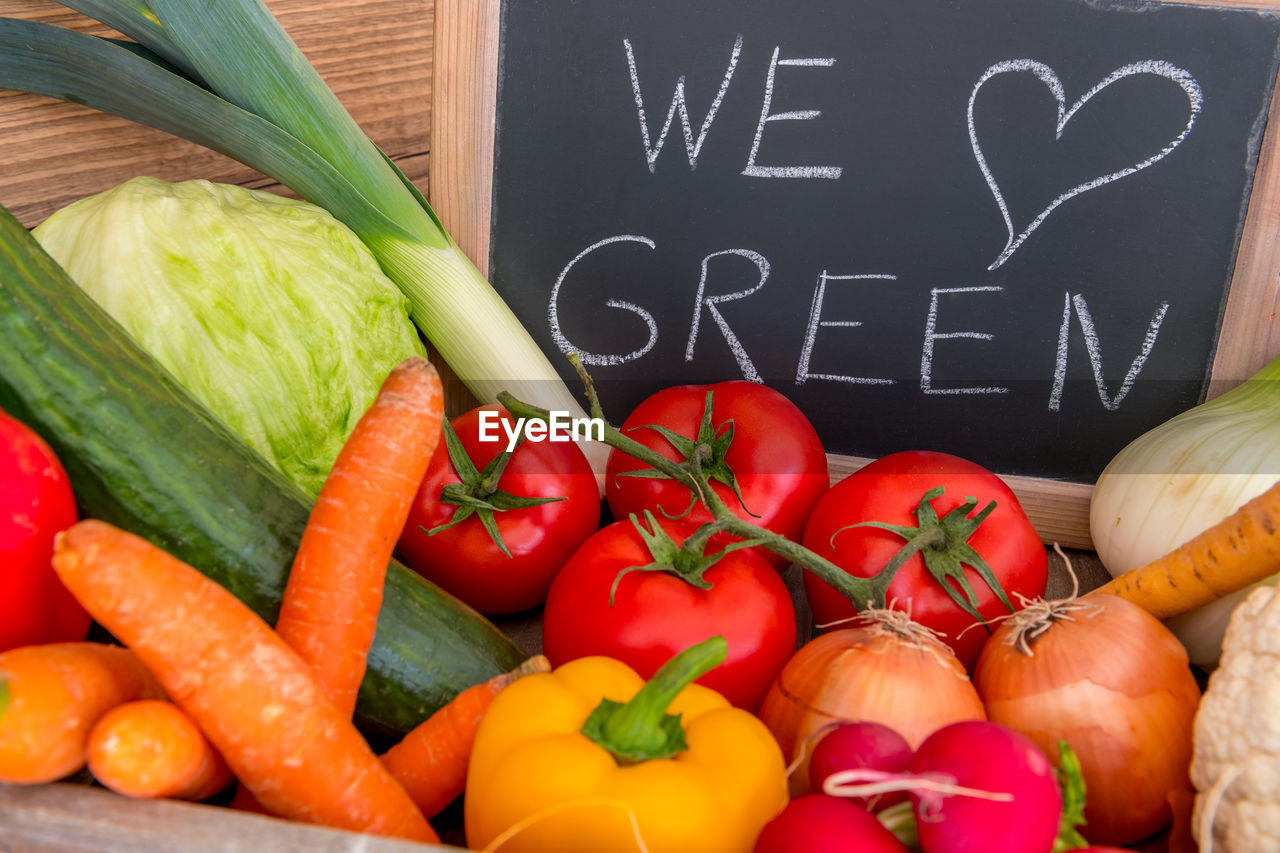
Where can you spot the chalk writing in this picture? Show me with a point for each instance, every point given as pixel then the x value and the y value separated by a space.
pixel 1050 79
pixel 679 105
pixel 1005 228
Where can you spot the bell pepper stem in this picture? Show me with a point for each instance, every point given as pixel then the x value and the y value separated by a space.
pixel 642 729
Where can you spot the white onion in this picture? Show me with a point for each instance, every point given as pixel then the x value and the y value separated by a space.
pixel 1181 478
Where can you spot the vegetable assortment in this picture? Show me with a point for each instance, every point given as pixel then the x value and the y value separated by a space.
pixel 671 597
pixel 260 101
pixel 190 486
pixel 268 639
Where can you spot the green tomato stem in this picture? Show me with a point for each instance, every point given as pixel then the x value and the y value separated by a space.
pixel 862 592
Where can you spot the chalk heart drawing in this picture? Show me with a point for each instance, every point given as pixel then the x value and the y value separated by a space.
pixel 1050 79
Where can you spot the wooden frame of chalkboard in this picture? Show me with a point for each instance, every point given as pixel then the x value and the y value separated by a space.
pixel 465 116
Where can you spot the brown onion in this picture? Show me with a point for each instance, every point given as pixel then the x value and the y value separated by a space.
pixel 887 670
pixel 1108 678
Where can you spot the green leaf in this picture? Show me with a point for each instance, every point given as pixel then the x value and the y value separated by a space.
pixel 478 494
pixel 458 458
pixel 716 439
pixel 942 544
pixel 4 696
pixel 1071 783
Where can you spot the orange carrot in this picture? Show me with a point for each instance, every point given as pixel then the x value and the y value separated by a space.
pixel 51 695
pixel 150 748
pixel 334 592
pixel 1240 550
pixel 255 699
pixel 431 760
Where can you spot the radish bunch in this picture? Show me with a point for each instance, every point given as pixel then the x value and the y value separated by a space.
pixel 974 787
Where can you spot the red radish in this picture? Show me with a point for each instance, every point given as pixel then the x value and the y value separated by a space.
pixel 814 822
pixel 856 746
pixel 1013 803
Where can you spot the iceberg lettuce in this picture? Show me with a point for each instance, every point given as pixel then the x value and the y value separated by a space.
pixel 271 311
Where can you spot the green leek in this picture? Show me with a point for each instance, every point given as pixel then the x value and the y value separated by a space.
pixel 225 74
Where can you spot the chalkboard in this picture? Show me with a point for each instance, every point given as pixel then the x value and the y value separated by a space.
pixel 1008 229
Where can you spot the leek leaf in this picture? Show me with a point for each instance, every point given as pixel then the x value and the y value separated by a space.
pixel 135 20
pixel 83 69
pixel 272 78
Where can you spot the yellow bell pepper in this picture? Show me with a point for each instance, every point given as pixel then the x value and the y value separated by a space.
pixel 591 759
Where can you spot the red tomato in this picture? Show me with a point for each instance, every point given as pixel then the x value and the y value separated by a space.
pixel 36 502
pixel 775 456
pixel 656 614
pixel 889 490
pixel 464 559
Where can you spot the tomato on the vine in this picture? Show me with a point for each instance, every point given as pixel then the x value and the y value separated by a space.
pixel 620 595
pixel 892 491
pixel 36 503
pixel 539 507
pixel 765 459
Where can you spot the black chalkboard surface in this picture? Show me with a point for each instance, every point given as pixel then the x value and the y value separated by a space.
pixel 1000 228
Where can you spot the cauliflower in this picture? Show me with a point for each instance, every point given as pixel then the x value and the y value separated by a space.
pixel 1236 762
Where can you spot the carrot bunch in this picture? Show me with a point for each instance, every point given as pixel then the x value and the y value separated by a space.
pixel 214 691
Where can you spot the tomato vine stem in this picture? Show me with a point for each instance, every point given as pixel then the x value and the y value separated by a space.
pixel 861 592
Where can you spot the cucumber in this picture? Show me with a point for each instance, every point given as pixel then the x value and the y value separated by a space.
pixel 143 454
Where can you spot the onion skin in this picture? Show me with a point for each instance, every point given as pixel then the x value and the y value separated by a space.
pixel 866 673
pixel 1115 684
pixel 1182 477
